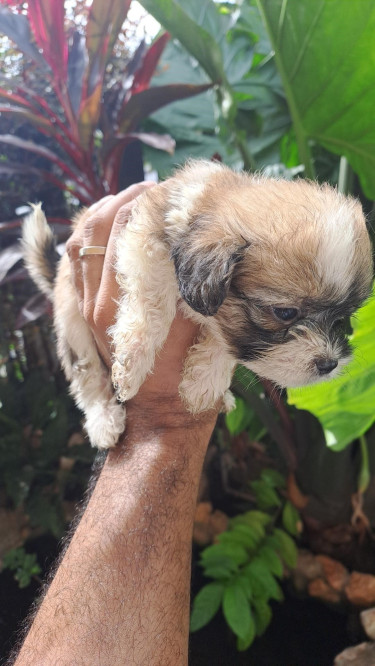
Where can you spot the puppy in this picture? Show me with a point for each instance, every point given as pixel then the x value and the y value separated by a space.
pixel 270 270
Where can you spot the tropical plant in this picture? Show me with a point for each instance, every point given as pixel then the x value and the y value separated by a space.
pixel 24 565
pixel 68 94
pixel 247 115
pixel 246 561
pixel 325 112
pixel 317 58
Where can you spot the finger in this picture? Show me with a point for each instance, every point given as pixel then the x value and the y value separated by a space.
pixel 108 293
pixel 93 228
pixel 102 229
pixel 97 227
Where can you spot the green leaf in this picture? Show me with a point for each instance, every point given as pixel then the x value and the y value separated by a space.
pixel 244 643
pixel 222 572
pixel 271 558
pixel 222 552
pixel 24 565
pixel 285 546
pixel 242 535
pixel 237 611
pixel 262 616
pixel 345 406
pixel 251 535
pixel 273 478
pixel 266 496
pixel 255 519
pixel 262 580
pixel 192 36
pixel 205 605
pixel 290 518
pixel 325 53
pixel 245 584
pixel 239 418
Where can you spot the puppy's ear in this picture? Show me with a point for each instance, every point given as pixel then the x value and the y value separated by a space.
pixel 204 273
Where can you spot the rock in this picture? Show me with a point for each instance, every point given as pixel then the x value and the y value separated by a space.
pixel 360 590
pixel 218 522
pixel 368 622
pixel 208 524
pixel 320 589
pixel 308 565
pixel 335 573
pixel 307 568
pixel 359 655
pixel 202 512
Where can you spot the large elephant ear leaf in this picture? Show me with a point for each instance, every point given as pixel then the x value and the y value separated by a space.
pixel 345 406
pixel 196 39
pixel 325 55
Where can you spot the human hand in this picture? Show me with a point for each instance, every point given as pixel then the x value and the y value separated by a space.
pixel 98 292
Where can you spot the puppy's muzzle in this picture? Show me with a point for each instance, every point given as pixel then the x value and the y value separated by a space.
pixel 326 344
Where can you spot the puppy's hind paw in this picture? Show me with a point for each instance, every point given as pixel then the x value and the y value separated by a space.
pixel 125 386
pixel 105 423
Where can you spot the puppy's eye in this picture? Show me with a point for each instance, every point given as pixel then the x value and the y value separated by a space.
pixel 285 314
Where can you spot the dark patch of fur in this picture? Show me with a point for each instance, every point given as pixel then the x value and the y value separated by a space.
pixel 204 275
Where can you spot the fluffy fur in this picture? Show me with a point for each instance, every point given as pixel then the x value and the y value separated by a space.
pixel 268 269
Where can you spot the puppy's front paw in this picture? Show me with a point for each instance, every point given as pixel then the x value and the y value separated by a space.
pixel 229 402
pixel 196 397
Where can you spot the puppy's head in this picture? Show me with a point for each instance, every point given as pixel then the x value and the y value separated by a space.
pixel 277 268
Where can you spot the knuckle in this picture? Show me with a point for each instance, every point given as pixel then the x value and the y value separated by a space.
pixel 72 247
pixel 92 224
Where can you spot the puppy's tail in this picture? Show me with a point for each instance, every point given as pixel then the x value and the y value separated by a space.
pixel 40 253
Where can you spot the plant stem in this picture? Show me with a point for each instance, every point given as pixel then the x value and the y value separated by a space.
pixel 345 181
pixel 225 99
pixel 301 137
pixel 364 472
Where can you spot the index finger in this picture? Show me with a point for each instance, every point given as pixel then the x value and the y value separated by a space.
pixel 94 228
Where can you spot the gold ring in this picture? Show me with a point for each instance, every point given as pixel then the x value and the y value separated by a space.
pixel 92 249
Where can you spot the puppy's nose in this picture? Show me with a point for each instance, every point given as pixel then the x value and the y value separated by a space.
pixel 325 365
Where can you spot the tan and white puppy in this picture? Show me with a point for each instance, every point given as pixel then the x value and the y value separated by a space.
pixel 271 270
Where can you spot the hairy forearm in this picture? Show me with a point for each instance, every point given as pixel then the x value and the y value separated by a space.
pixel 121 593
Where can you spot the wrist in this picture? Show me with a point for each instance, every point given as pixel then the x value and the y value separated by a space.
pixel 166 414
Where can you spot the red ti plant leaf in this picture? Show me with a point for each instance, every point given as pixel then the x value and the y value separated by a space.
pixel 40 150
pixel 116 147
pixel 47 23
pixel 144 73
pixel 9 257
pixel 76 69
pixel 142 104
pixel 17 28
pixel 104 24
pixel 35 307
pixel 37 120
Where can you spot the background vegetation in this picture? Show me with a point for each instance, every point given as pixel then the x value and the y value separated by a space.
pixel 283 87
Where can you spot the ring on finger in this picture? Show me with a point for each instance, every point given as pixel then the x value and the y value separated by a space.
pixel 92 249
